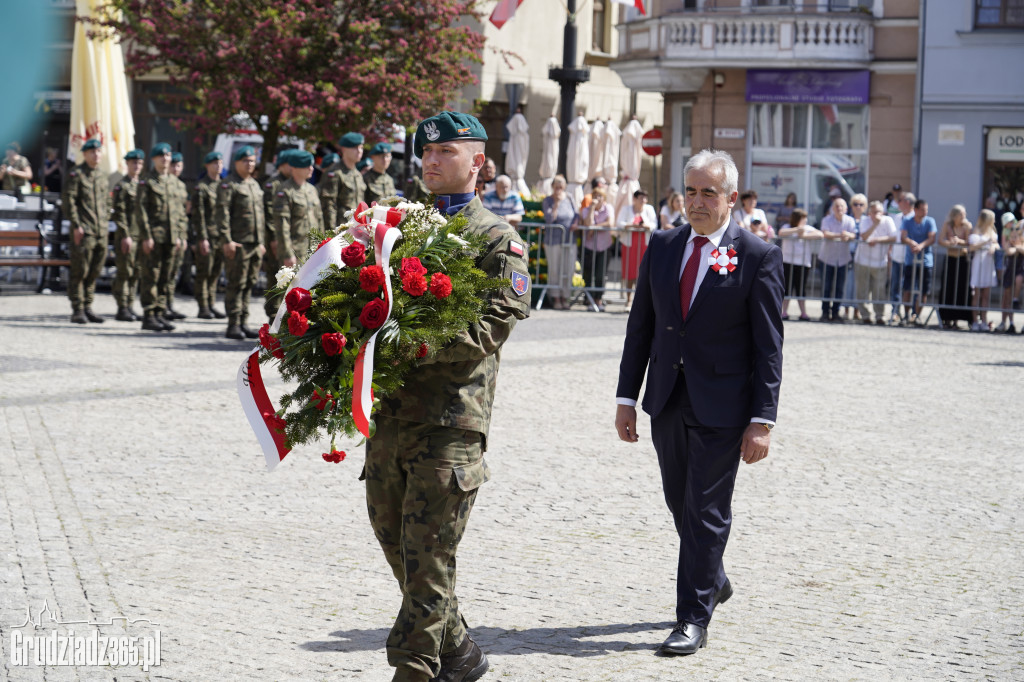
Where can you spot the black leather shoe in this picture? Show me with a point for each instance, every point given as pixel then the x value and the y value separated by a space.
pixel 124 315
pixel 152 323
pixel 172 314
pixel 235 332
pixel 249 333
pixel 205 314
pixel 91 316
pixel 78 317
pixel 723 594
pixel 686 639
pixel 217 313
pixel 466 664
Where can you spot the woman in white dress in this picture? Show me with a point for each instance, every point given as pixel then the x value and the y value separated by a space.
pixel 983 244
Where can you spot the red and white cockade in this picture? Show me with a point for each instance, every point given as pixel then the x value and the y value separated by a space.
pixel 723 263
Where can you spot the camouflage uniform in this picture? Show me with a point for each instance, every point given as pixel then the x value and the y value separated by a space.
pixel 415 190
pixel 272 258
pixel 10 182
pixel 425 463
pixel 179 238
pixel 86 205
pixel 159 215
pixel 378 186
pixel 127 279
pixel 240 219
pixel 204 227
pixel 341 190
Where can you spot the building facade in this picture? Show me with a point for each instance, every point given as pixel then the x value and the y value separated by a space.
pixel 972 105
pixel 810 97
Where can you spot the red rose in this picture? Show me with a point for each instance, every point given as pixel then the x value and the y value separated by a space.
pixel 298 324
pixel 274 422
pixel 374 313
pixel 270 342
pixel 440 285
pixel 422 352
pixel 298 299
pixel 371 278
pixel 354 255
pixel 333 343
pixel 334 456
pixel 323 242
pixel 411 266
pixel 322 400
pixel 414 285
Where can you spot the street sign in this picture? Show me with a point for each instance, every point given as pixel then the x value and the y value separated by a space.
pixel 651 142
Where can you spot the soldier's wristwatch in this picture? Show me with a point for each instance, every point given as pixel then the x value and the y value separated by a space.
pixel 767 425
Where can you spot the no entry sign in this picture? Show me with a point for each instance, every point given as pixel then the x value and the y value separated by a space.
pixel 651 141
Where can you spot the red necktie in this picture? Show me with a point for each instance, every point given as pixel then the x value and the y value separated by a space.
pixel 689 278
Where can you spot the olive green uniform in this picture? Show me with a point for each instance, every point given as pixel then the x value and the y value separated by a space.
pixel 296 212
pixel 10 182
pixel 86 204
pixel 126 281
pixel 179 236
pixel 203 223
pixel 378 186
pixel 159 213
pixel 341 190
pixel 240 219
pixel 425 463
pixel 415 190
pixel 272 258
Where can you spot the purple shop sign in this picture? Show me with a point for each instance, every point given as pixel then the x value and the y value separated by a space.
pixel 817 86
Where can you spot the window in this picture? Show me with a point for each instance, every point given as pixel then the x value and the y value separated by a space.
pixel 999 13
pixel 850 5
pixel 599 42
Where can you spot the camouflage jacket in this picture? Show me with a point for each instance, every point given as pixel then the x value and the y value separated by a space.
pixel 239 211
pixel 271 186
pixel 341 190
pixel 296 212
pixel 86 201
pixel 19 162
pixel 180 228
pixel 455 385
pixel 159 209
pixel 126 193
pixel 203 221
pixel 378 186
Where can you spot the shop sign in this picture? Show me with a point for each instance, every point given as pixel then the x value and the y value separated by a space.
pixel 808 86
pixel 1005 144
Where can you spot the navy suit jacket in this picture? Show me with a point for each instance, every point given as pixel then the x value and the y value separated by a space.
pixel 730 345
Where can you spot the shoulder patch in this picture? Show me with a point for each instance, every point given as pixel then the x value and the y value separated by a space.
pixel 73 173
pixel 225 185
pixel 515 247
pixel 520 283
pixel 142 181
pixel 280 194
pixel 117 188
pixel 330 174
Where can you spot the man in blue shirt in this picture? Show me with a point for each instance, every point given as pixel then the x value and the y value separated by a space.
pixel 503 201
pixel 918 234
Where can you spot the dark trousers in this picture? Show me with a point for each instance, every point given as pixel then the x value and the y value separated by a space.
pixel 833 287
pixel 698 471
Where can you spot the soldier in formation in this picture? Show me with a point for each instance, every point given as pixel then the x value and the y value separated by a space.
pixel 296 212
pixel 209 260
pixel 86 205
pixel 342 186
pixel 126 237
pixel 240 226
pixel 272 258
pixel 179 237
pixel 379 185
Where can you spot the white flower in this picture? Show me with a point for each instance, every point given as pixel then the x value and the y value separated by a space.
pixel 458 240
pixel 410 206
pixel 284 276
pixel 438 219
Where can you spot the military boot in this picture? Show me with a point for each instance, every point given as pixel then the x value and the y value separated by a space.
pixel 235 332
pixel 249 333
pixel 124 315
pixel 204 313
pixel 217 313
pixel 466 664
pixel 91 316
pixel 151 322
pixel 172 314
pixel 166 322
pixel 135 316
pixel 78 317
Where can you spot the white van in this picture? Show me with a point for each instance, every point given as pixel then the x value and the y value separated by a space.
pixel 774 175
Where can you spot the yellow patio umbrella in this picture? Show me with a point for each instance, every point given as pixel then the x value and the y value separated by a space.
pixel 99 91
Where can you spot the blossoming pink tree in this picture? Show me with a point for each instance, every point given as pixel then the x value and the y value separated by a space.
pixel 309 68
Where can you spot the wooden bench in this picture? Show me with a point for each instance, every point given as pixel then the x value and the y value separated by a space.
pixel 27 238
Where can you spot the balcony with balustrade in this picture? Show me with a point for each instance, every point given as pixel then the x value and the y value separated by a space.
pixel 675 51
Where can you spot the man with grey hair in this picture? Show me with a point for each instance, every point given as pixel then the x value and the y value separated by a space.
pixel 503 201
pixel 706 325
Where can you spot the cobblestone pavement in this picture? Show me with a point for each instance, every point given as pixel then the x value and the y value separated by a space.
pixel 881 539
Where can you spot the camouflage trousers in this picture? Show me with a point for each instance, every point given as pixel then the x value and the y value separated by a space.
pixel 208 269
pixel 421 482
pixel 126 281
pixel 87 260
pixel 243 271
pixel 270 266
pixel 177 258
pixel 155 268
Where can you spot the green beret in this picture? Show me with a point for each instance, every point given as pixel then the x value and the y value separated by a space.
pixel 380 148
pixel 211 157
pixel 91 144
pixel 176 157
pixel 329 159
pixel 135 155
pixel 351 140
pixel 448 126
pixel 160 149
pixel 363 163
pixel 300 159
pixel 285 156
pixel 243 152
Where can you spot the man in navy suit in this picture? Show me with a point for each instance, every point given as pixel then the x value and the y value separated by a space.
pixel 710 336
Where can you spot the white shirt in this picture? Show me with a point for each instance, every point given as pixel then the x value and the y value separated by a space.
pixel 875 255
pixel 714 240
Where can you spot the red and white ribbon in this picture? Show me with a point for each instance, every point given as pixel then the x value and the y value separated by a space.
pixel 385 233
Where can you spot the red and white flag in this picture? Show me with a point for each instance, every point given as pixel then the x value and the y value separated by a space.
pixel 638 4
pixel 505 10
